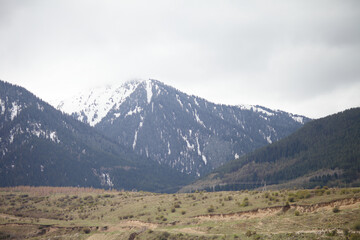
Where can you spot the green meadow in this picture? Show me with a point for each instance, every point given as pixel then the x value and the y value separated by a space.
pixel 84 213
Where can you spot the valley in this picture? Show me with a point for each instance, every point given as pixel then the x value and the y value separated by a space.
pixel 85 213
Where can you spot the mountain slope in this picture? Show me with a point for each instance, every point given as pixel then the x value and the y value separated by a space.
pixel 41 146
pixel 170 127
pixel 323 152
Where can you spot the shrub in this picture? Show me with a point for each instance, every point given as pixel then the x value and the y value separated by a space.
pixel 356 190
pixel 356 226
pixel 291 199
pixel 287 205
pixel 87 230
pixel 257 237
pixel 297 213
pixel 355 236
pixel 249 233
pixel 319 192
pixel 301 194
pixel 211 209
pixel 183 212
pixel 332 233
pixel 336 209
pixel 245 202
pixel 164 236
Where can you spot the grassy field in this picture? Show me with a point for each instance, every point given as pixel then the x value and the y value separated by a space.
pixel 79 213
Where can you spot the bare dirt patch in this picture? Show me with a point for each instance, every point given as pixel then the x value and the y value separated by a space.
pixel 270 211
pixel 190 230
pixel 343 203
pixel 129 225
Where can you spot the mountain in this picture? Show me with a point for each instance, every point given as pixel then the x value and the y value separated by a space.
pixel 40 145
pixel 172 128
pixel 324 152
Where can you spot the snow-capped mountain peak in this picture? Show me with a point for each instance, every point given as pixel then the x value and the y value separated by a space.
pixel 91 107
pixel 170 127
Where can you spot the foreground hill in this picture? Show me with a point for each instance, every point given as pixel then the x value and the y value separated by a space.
pixel 39 145
pixel 73 213
pixel 170 127
pixel 323 152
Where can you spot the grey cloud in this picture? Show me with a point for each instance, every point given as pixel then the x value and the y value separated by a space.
pixel 232 52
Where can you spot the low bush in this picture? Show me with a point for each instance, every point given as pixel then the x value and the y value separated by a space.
pixel 356 226
pixel 336 210
pixel 249 233
pixel 354 236
pixel 211 209
pixel 245 202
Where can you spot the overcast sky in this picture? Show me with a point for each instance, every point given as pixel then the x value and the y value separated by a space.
pixel 298 56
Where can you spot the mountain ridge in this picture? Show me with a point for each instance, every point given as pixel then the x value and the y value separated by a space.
pixel 183 131
pixel 39 145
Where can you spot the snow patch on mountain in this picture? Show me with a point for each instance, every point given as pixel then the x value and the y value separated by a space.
pixel 96 104
pixel 2 105
pixel 53 137
pixel 39 107
pixel 189 146
pixel 149 92
pixel 134 111
pixel 36 130
pixel 204 159
pixel 104 177
pixel 137 131
pixel 245 106
pixel 179 101
pixel 14 110
pixel 256 109
pixel 299 119
pixel 198 146
pixel 169 149
pixel 198 119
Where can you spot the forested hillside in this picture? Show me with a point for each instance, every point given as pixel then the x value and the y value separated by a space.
pixel 323 152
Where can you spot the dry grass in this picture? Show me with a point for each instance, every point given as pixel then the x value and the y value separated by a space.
pixel 81 213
